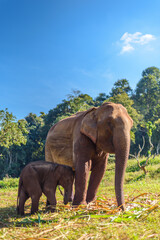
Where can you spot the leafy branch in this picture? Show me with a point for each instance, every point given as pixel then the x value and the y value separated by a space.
pixel 150 127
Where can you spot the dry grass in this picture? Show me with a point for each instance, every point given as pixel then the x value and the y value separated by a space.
pixel 99 220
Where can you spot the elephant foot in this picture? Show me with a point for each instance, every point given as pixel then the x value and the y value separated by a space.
pixel 90 197
pixel 77 203
pixel 122 207
pixel 51 208
pixel 21 214
pixel 89 200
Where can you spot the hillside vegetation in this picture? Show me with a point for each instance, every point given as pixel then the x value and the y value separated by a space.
pixel 99 220
pixel 23 141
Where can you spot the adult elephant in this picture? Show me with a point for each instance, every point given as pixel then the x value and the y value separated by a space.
pixel 84 141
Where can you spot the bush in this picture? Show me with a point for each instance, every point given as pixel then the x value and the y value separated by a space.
pixel 9 183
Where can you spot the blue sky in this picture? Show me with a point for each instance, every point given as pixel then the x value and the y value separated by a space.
pixel 49 47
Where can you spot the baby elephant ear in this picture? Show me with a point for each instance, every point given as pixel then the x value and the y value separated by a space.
pixel 89 125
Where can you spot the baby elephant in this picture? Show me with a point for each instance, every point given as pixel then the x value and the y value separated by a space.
pixel 41 176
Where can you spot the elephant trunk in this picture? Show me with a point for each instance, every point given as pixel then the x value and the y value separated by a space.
pixel 68 195
pixel 121 141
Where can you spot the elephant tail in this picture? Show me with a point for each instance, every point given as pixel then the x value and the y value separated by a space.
pixel 19 190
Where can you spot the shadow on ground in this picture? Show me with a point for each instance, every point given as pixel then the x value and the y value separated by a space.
pixel 9 217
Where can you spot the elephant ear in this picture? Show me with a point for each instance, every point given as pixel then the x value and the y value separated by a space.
pixel 89 125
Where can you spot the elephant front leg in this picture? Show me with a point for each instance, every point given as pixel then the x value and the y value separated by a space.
pixel 51 202
pixel 35 199
pixel 49 190
pixel 98 170
pixel 35 204
pixel 81 178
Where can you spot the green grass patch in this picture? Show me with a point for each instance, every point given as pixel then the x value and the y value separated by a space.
pixel 9 183
pixel 99 220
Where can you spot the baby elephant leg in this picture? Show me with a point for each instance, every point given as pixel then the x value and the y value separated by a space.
pixel 22 199
pixel 51 201
pixel 35 199
pixel 51 197
pixel 35 203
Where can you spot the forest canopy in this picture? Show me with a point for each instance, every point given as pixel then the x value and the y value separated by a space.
pixel 23 141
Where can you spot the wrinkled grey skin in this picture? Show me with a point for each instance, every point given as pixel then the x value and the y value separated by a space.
pixel 84 141
pixel 41 176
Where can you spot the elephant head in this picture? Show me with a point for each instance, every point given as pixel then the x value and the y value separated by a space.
pixel 109 128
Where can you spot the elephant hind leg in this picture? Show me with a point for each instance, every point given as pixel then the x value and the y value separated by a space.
pixel 48 154
pixel 97 172
pixel 22 199
pixel 35 203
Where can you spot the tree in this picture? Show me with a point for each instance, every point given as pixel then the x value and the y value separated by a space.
pixel 156 136
pixel 152 71
pixel 149 129
pixel 121 86
pixel 76 101
pixel 79 102
pixel 35 142
pixel 12 133
pixel 100 99
pixel 147 94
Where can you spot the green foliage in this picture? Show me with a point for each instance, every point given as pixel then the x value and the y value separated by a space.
pixel 9 183
pixel 152 71
pixel 79 102
pixel 134 173
pixel 11 132
pixel 150 127
pixel 23 141
pixel 155 174
pixel 76 101
pixel 147 94
pixel 133 168
pixel 100 99
pixel 35 143
pixel 156 136
pixel 121 86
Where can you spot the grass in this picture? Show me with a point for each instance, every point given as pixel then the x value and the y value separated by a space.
pixel 99 220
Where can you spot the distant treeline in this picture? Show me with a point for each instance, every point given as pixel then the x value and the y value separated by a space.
pixel 23 141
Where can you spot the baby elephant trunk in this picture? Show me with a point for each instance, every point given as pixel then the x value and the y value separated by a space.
pixel 68 196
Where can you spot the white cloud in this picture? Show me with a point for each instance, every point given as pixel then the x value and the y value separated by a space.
pixel 127 48
pixel 130 41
